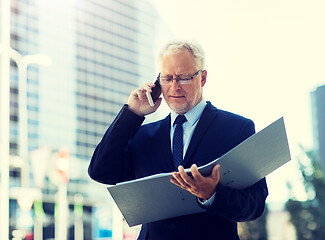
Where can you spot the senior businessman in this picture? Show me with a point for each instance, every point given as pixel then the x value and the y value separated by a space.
pixel 193 134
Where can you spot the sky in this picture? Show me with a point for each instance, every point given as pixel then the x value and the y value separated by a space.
pixel 263 59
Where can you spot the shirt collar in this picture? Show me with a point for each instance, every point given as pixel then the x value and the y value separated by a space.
pixel 193 115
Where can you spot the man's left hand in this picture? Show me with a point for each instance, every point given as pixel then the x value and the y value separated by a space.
pixel 200 186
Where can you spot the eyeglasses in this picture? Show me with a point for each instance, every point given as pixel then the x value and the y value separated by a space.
pixel 181 79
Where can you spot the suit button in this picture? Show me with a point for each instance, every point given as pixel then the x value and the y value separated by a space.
pixel 171 227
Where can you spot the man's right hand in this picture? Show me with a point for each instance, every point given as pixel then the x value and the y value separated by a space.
pixel 138 102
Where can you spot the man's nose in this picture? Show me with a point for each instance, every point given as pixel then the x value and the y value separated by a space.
pixel 175 84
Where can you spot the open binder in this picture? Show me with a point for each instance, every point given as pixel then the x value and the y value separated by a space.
pixel 155 198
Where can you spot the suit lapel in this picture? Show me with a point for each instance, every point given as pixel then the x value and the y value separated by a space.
pixel 209 113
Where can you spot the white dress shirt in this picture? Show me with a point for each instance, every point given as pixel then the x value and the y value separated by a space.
pixel 193 117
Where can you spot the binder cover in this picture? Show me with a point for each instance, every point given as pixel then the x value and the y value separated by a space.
pixel 155 198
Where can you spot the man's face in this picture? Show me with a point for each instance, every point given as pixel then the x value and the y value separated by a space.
pixel 182 98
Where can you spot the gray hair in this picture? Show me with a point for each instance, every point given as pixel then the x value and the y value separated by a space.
pixel 177 46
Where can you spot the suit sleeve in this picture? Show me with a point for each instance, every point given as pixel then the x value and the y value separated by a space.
pixel 112 161
pixel 240 204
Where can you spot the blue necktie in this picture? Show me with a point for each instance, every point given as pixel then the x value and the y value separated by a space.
pixel 178 140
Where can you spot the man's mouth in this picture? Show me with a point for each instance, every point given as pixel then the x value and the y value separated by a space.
pixel 176 97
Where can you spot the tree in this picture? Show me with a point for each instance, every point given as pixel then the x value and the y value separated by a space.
pixel 308 216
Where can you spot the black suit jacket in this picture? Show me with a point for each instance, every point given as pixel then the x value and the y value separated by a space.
pixel 129 150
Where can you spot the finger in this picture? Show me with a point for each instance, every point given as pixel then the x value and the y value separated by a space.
pixel 157 103
pixel 196 174
pixel 175 175
pixel 141 93
pixel 173 180
pixel 181 180
pixel 216 172
pixel 148 86
pixel 134 93
pixel 177 182
pixel 185 177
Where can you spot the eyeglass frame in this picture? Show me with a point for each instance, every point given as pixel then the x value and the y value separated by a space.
pixel 179 80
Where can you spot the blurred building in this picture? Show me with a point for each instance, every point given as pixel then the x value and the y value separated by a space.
pixel 100 51
pixel 279 226
pixel 318 119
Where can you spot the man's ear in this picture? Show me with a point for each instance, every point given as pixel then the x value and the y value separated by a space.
pixel 204 77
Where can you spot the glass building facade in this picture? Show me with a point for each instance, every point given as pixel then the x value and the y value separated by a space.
pixel 101 50
pixel 318 118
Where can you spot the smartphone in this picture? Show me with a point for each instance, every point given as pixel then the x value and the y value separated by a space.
pixel 154 95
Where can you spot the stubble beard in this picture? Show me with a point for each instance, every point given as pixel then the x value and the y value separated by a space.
pixel 180 109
